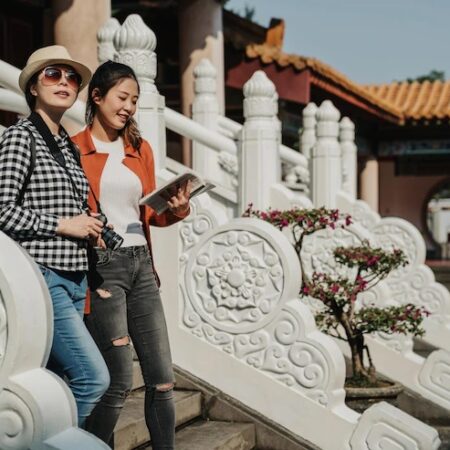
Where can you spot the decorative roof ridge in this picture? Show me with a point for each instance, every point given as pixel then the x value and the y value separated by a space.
pixel 273 54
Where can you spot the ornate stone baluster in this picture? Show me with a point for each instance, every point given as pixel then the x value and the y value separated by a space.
pixel 326 157
pixel 307 135
pixel 205 110
pixel 259 165
pixel 37 410
pixel 135 43
pixel 349 162
pixel 105 36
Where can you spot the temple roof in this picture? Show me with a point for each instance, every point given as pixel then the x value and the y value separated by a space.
pixel 269 54
pixel 403 101
pixel 417 101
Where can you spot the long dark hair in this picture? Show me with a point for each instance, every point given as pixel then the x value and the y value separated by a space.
pixel 105 77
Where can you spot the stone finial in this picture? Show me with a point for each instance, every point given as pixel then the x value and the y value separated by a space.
pixel 259 93
pixel 205 77
pixel 135 43
pixel 309 116
pixel 347 130
pixel 327 120
pixel 134 34
pixel 105 36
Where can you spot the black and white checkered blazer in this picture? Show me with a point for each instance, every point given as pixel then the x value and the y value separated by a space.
pixel 48 196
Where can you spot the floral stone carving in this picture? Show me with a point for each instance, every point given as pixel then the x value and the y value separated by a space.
pixel 236 280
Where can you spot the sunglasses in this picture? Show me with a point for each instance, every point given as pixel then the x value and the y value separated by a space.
pixel 53 75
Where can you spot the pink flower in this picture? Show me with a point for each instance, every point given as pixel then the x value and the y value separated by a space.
pixel 334 288
pixel 373 260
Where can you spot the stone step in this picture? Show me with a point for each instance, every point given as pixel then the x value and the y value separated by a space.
pixel 131 430
pixel 213 435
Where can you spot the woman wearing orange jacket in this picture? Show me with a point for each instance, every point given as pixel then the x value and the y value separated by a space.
pixel 126 302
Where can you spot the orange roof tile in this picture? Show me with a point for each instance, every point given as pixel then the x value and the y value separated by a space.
pixel 426 100
pixel 273 54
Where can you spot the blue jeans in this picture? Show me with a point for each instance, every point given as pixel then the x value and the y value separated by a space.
pixel 74 353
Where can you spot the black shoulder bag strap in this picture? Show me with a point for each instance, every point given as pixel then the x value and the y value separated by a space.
pixel 30 169
pixel 46 134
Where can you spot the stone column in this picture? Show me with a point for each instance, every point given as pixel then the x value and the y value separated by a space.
pixel 201 36
pixel 326 155
pixel 369 183
pixel 259 155
pixel 76 25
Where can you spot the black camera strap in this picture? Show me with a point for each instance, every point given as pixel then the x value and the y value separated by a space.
pixel 57 154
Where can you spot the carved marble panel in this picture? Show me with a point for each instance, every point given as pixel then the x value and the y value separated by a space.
pixel 16 422
pixel 235 280
pixel 435 375
pixel 383 426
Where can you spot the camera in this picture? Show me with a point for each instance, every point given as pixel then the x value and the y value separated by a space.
pixel 112 240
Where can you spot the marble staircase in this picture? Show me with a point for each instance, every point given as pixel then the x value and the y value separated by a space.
pixel 206 419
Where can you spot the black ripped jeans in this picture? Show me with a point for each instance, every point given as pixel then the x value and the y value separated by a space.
pixel 128 304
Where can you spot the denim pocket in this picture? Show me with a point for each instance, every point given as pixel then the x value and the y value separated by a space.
pixel 148 256
pixel 103 257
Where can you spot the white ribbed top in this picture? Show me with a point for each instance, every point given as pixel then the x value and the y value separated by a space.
pixel 120 192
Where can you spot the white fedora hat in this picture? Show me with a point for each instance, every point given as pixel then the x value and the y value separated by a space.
pixel 48 56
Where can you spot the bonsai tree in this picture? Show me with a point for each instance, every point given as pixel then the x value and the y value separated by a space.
pixel 340 315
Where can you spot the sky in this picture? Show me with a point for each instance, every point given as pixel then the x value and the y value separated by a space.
pixel 370 41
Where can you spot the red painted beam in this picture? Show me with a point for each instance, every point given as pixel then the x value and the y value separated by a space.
pixel 290 84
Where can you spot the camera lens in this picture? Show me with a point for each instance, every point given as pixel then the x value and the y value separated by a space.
pixel 112 239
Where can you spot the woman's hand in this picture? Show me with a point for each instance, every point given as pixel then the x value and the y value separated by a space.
pixel 179 204
pixel 80 227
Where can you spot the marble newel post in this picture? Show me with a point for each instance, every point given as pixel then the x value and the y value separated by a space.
pixel 307 135
pixel 205 110
pixel 135 43
pixel 259 164
pixel 105 37
pixel 326 157
pixel 349 159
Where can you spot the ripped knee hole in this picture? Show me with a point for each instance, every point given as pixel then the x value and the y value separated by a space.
pixel 164 387
pixel 104 293
pixel 121 341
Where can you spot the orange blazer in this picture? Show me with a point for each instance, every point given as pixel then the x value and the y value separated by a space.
pixel 140 161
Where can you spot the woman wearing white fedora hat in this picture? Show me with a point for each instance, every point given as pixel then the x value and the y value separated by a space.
pixel 43 199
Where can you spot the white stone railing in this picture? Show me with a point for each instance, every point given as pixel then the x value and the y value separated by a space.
pixel 206 111
pixel 393 354
pixel 235 315
pixel 37 409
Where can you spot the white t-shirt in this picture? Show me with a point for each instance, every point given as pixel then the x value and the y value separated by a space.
pixel 120 192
